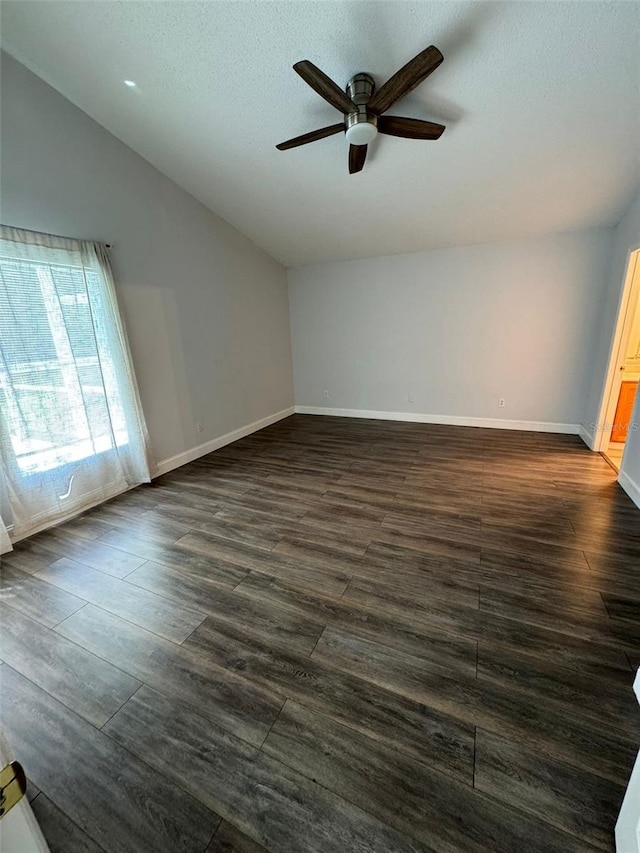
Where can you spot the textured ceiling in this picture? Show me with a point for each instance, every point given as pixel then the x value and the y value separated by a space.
pixel 541 102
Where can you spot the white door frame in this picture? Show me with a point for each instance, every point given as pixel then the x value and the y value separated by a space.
pixel 618 352
pixel 628 823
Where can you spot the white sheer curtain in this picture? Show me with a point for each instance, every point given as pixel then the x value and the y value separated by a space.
pixel 72 432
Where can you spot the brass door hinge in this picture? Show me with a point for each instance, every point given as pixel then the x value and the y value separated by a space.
pixel 13 784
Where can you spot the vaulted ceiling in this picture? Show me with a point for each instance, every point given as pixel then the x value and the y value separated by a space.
pixel 541 102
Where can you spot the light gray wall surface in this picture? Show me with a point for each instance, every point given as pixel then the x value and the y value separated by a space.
pixel 206 311
pixel 457 328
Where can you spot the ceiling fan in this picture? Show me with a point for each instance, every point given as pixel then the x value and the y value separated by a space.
pixel 362 106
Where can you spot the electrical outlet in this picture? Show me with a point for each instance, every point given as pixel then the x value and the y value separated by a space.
pixel 199 426
pixel 411 398
pixel 325 394
pixel 501 402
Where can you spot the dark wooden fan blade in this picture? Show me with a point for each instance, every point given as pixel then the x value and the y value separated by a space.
pixel 311 137
pixel 409 128
pixel 406 79
pixel 357 156
pixel 324 86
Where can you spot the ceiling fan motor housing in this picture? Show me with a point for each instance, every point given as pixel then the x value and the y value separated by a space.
pixel 361 126
pixel 360 88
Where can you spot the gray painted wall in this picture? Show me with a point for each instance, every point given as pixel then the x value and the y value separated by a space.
pixel 206 311
pixel 458 328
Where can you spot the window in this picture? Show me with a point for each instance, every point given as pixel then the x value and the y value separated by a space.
pixel 71 426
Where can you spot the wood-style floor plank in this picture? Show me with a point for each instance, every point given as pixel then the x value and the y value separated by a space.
pixel 528 572
pixel 152 528
pixel 415 799
pixel 169 554
pixel 36 599
pixel 93 553
pixel 577 802
pixel 153 612
pixel 245 709
pixel 437 543
pixel 272 804
pixel 263 619
pixel 91 525
pixel 322 576
pixel 120 802
pixel 478 701
pixel 94 688
pixel 32 789
pixel 61 833
pixel 623 607
pixel 228 839
pixel 346 538
pixel 594 627
pixel 598 699
pixel 28 556
pixel 500 594
pixel 577 652
pixel 258 535
pixel 444 649
pixel 424 610
pixel 398 569
pixel 408 725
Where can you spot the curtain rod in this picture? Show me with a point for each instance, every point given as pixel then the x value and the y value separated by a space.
pixel 60 236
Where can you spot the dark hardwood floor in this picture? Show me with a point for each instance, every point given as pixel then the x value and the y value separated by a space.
pixel 334 636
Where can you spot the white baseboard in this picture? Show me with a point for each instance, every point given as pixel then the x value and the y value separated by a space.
pixel 448 420
pixel 630 486
pixel 215 443
pixel 588 437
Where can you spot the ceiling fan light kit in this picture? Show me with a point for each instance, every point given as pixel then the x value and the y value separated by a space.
pixel 360 129
pixel 362 106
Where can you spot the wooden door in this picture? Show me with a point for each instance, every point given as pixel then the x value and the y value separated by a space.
pixel 624 410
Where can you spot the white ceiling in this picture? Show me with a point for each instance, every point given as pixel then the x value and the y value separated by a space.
pixel 541 100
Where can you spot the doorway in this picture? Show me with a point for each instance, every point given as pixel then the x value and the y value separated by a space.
pixel 624 371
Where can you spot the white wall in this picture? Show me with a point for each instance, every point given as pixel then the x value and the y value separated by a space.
pixel 206 311
pixel 458 328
